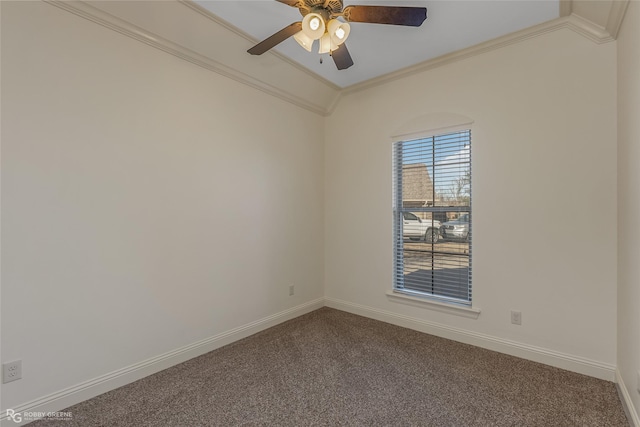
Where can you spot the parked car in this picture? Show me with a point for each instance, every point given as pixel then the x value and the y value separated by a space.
pixel 456 229
pixel 416 228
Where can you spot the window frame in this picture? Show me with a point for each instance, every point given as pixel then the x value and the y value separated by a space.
pixel 399 210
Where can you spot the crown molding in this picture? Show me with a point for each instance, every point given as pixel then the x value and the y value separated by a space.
pixel 204 12
pixel 573 22
pixel 616 15
pixel 565 7
pixel 588 29
pixel 329 93
pixel 107 20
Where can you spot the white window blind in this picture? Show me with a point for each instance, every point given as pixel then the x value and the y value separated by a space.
pixel 432 217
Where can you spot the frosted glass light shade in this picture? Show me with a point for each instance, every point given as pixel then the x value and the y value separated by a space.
pixel 326 44
pixel 339 31
pixel 303 40
pixel 313 26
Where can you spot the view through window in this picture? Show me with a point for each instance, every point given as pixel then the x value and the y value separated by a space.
pixel 432 216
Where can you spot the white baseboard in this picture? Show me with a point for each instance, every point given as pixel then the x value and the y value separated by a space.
pixel 88 389
pixel 537 354
pixel 627 403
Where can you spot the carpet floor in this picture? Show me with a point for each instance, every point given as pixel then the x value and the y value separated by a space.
pixel 331 368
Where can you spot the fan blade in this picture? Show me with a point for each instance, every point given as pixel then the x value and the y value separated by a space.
pixel 292 3
pixel 394 15
pixel 341 57
pixel 275 39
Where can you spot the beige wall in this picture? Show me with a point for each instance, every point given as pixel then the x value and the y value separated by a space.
pixel 147 203
pixel 544 195
pixel 629 202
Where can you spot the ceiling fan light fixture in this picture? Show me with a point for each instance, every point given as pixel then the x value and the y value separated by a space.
pixel 313 26
pixel 326 44
pixel 304 40
pixel 339 31
pixel 317 24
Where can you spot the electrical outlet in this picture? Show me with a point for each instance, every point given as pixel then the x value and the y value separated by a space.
pixel 292 290
pixel 11 371
pixel 516 317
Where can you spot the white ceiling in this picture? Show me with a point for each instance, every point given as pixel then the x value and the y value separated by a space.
pixel 376 49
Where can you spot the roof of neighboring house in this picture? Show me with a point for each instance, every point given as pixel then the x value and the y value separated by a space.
pixel 416 184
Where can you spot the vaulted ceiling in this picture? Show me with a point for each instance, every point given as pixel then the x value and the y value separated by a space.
pixel 380 49
pixel 216 35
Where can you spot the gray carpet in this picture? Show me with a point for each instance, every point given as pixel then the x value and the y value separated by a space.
pixel 332 368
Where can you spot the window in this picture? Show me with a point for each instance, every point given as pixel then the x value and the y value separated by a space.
pixel 432 217
pixel 408 216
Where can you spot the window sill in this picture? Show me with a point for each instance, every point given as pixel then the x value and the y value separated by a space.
pixel 458 310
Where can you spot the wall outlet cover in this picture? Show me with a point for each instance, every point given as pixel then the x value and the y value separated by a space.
pixel 516 317
pixel 11 371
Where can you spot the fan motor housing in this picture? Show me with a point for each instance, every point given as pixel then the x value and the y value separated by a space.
pixel 333 7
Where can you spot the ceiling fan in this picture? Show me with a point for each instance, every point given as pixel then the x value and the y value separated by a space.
pixel 320 22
